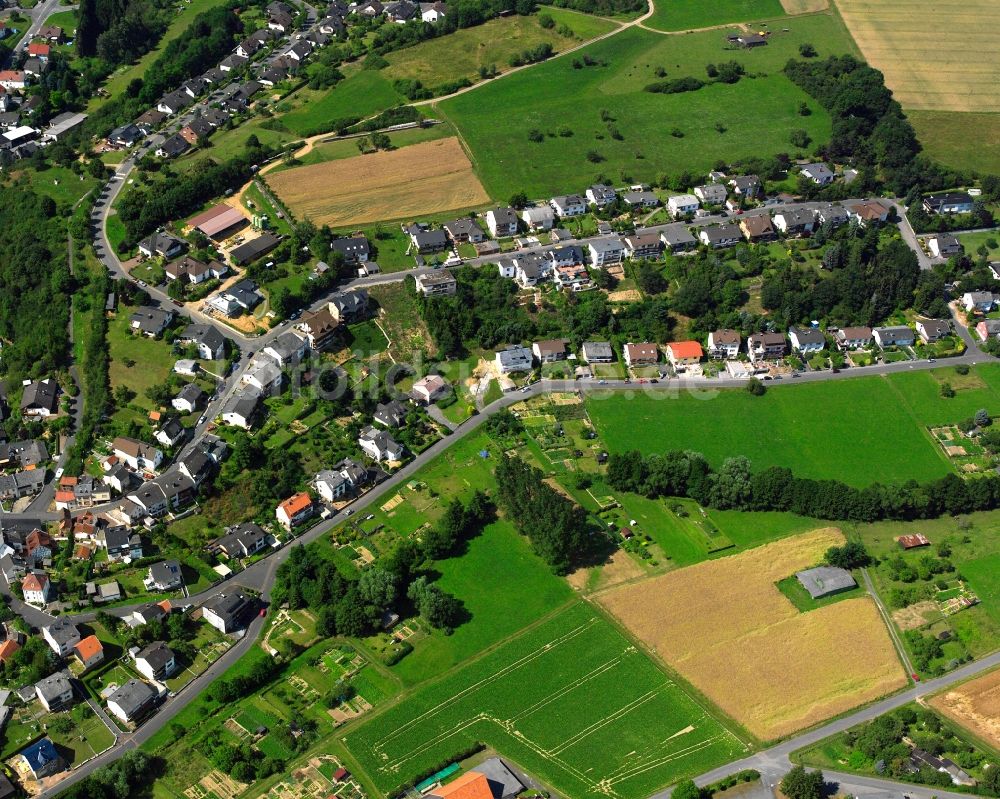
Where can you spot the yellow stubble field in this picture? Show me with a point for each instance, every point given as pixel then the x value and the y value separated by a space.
pixel 421 179
pixel 726 628
pixel 937 55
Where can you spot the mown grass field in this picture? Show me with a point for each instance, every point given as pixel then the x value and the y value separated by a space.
pixel 361 94
pixel 683 15
pixel 572 701
pixel 979 151
pixel 461 54
pixel 924 49
pixel 600 111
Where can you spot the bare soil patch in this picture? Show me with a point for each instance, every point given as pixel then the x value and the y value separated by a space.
pixel 725 626
pixel 976 706
pixel 422 179
pixel 914 616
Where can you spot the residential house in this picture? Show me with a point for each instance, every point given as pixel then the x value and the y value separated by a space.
pixel 597 352
pixel 429 388
pixel 853 338
pixel 931 330
pixel 165 575
pixel 106 592
pixel 606 251
pixel 132 701
pixel 819 174
pixel 757 227
pixel 719 236
pixel 156 662
pixel 210 343
pixel 867 212
pixel 12 79
pixel 379 445
pixel 402 11
pixel 952 202
pixel 146 614
pixel 513 358
pixel 711 193
pixel 746 186
pixel 40 398
pixel 150 321
pixel 263 375
pixel 766 346
pixel 436 284
pixel 170 490
pixel 174 102
pixel 161 244
pixel 62 635
pixel 137 454
pixel 41 759
pixel 38 546
pixel 464 230
pixel 988 328
pixel 724 344
pixel 241 541
pixel 501 222
pixel 433 12
pixel 944 245
pixel 643 245
pixel 567 255
pixel 682 204
pixel 349 306
pixel 189 399
pixel 295 510
pixel 644 354
pixel 568 205
pixel 187 267
pixel 287 349
pixel 228 612
pixel 55 691
pixel 89 651
pixel 355 249
pixel 540 217
pixel 806 340
pixel 425 240
pixel 390 414
pixel 242 407
pixel 345 477
pixel 601 196
pixel 979 301
pixel 550 351
pixel 320 327
pixel 832 215
pixel 640 199
pixel 893 336
pixel 795 222
pixel 683 354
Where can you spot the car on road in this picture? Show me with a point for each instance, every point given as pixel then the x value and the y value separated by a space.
pixel 142 283
pixel 178 303
pixel 201 420
pixel 263 612
pixel 349 511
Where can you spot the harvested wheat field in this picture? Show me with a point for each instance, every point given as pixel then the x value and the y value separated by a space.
pixel 725 626
pixel 974 705
pixel 804 6
pixel 422 179
pixel 937 55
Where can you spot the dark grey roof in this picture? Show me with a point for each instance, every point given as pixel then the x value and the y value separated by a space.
pixel 158 655
pixel 63 632
pixel 825 580
pixel 133 696
pixel 208 335
pixel 230 607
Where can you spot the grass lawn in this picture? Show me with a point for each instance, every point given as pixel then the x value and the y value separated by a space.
pixel 348 148
pixel 683 15
pixel 361 94
pixel 366 339
pixel 920 392
pixel 503 586
pixel 60 183
pixel 151 357
pixel 87 738
pixel 228 143
pixel 618 715
pixel 65 20
pixel 185 15
pixel 461 54
pixel 579 111
pixel 801 598
pixel 979 152
pixel 779 429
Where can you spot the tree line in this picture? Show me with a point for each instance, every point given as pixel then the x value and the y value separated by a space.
pixel 735 486
pixel 555 525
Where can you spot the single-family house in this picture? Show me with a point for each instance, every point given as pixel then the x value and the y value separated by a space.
pixel 156 662
pixel 601 196
pixel 568 205
pixel 41 759
pixel 210 343
pixel 853 338
pixel 501 222
pixel 228 612
pixel 711 193
pixel 819 174
pixel 643 245
pixel 952 202
pixel 164 575
pixel 988 328
pixel 465 229
pixel 62 635
pixel 795 222
pixel 89 651
pixel 643 354
pixel 746 186
pixel 806 340
pixel 295 510
pixel 287 349
pixel 832 215
pixel 550 351
pixel 55 691
pixel 390 414
pixel 320 327
pixel 606 251
pixel 641 199
pixel 719 236
pixel 979 301
pixel 867 212
pixel 514 358
pixel 944 245
pixel 348 306
pixel 757 227
pixel 241 409
pixel 597 352
pixel 766 346
pixel 190 398
pixel 241 541
pixel 40 398
pixel 539 217
pixel 724 344
pixel 425 240
pixel 379 445
pixel 683 354
pixel 263 375
pixel 893 336
pixel 139 455
pixel 682 204
pixel 436 284
pixel 931 330
pixel 151 321
pixel 161 244
pixel 132 700
pixel 429 388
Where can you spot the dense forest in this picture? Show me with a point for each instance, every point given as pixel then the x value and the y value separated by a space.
pixel 735 486
pixel 35 285
pixel 601 7
pixel 119 31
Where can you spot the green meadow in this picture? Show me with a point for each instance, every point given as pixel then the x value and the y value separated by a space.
pixel 597 120
pixel 683 15
pixel 858 430
pixel 572 701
